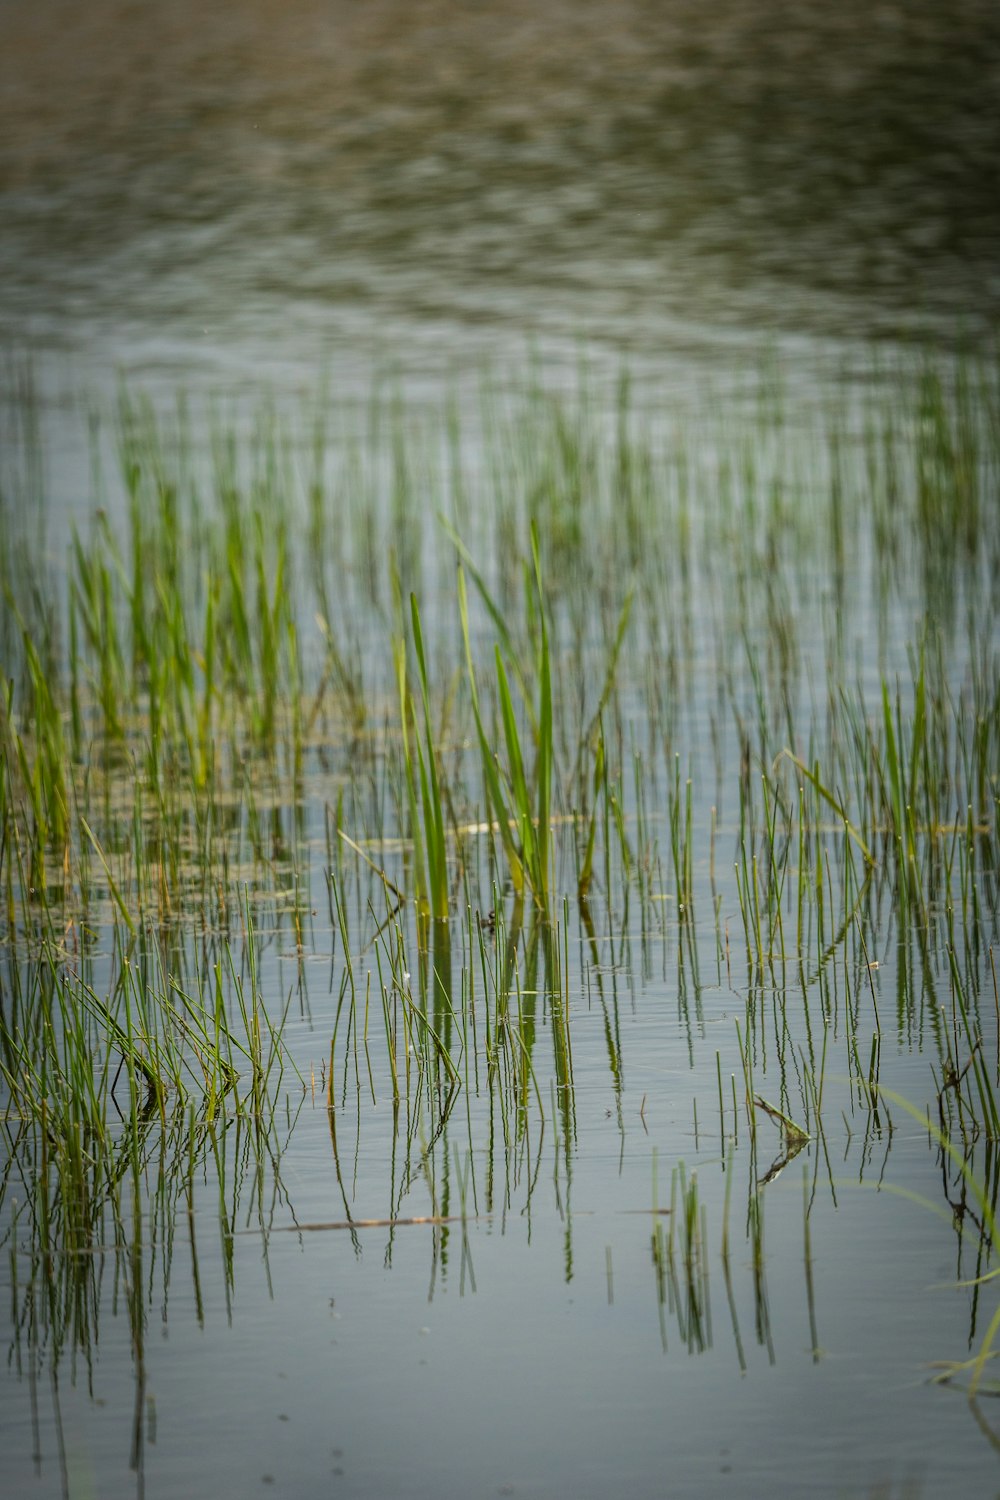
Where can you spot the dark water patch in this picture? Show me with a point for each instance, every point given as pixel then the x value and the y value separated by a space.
pixel 296 183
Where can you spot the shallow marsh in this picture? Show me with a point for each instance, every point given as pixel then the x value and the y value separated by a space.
pixel 481 886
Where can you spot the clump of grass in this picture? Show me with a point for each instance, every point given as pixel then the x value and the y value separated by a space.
pixel 519 799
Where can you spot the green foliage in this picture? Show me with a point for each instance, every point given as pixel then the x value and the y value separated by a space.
pixel 519 799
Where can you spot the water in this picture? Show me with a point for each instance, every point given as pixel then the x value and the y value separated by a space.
pixel 236 197
pixel 343 1378
pixel 760 210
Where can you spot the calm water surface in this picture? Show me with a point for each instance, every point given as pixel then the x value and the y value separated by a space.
pixel 250 190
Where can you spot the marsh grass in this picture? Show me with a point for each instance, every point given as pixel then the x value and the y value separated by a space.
pixel 615 721
pixel 518 796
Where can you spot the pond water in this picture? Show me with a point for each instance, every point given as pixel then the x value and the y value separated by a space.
pixel 245 194
pixel 673 328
